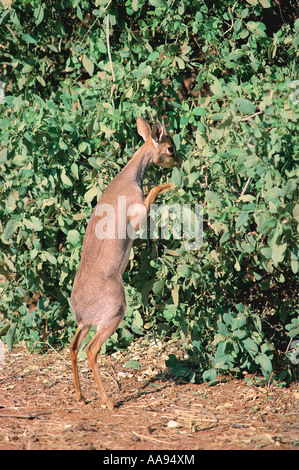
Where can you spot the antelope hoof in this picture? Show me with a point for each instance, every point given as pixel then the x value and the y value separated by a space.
pixel 109 403
pixel 81 400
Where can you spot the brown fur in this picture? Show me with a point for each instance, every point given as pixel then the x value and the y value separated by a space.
pixel 98 295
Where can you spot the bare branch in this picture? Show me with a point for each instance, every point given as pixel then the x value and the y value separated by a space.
pixel 251 116
pixel 110 58
pixel 245 187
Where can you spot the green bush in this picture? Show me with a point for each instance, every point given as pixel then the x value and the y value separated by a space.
pixel 77 74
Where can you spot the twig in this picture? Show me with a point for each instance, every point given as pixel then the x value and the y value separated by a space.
pixel 25 416
pixel 232 21
pixel 11 32
pixel 110 59
pixel 114 379
pixel 251 116
pixel 197 429
pixel 53 349
pixel 97 19
pixel 103 11
pixel 148 438
pixel 245 187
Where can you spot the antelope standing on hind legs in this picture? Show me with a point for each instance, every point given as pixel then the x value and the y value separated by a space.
pixel 98 295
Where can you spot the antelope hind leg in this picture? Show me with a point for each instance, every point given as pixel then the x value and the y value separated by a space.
pixel 74 349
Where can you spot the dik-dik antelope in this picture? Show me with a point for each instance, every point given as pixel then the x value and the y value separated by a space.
pixel 98 295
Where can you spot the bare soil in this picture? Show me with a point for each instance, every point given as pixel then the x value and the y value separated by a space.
pixel 38 410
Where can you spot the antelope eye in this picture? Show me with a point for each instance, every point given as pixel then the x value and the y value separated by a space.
pixel 170 149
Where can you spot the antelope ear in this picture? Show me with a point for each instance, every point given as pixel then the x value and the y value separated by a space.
pixel 157 132
pixel 143 128
pixel 164 127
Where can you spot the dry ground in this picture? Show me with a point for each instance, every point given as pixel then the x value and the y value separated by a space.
pixel 38 410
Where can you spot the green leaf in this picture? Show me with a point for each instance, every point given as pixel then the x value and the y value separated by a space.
pixel 237 27
pixel 192 178
pixel 39 14
pixel 266 251
pixel 4 155
pixel 242 219
pixel 172 361
pixel 180 63
pixel 137 323
pixel 175 295
pixel 91 194
pixel 88 65
pixel 158 286
pixel 177 177
pixel 4 330
pixel 10 336
pixel 278 253
pixel 10 228
pixel 239 322
pixel 158 3
pixel 95 163
pixel 265 363
pixel 245 105
pixel 293 328
pixel 250 346
pixel 213 198
pixel 27 68
pixel 101 46
pixel 240 307
pixel 153 56
pixel 85 147
pixel 294 265
pixel 75 170
pixel 65 179
pixel 265 3
pixel 132 365
pixel 28 38
pixel 51 258
pixel 199 111
pixel 135 5
pixel 183 270
pixel 209 375
pixel 73 237
pixel 34 224
pixel 216 88
pixel 237 265
pixel 296 212
pixel 225 236
pixel 41 80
